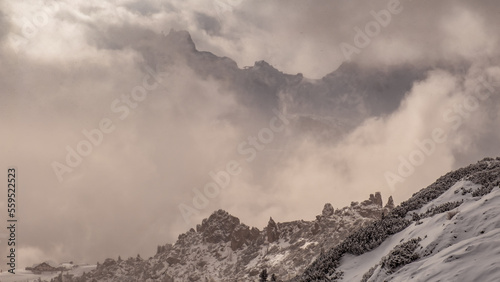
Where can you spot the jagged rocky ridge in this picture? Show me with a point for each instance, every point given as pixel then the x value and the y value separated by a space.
pixel 328 107
pixel 458 212
pixel 224 249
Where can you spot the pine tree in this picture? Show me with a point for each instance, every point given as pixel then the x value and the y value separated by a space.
pixel 263 275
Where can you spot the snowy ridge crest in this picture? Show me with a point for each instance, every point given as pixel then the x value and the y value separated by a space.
pixel 439 234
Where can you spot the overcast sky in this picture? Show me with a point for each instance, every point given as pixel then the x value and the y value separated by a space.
pixel 66 66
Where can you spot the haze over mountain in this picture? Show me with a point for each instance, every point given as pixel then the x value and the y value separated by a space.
pixel 222 73
pixel 447 231
pixel 444 232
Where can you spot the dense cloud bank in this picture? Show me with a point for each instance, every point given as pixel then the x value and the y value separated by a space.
pixel 139 121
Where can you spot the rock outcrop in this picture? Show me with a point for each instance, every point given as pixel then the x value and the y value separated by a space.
pixel 272 231
pixel 390 203
pixel 328 210
pixel 224 249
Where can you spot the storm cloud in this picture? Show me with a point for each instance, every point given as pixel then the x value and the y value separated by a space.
pixel 69 65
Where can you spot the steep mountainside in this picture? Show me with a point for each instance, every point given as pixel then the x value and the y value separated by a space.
pixel 223 249
pixel 448 231
pixel 328 107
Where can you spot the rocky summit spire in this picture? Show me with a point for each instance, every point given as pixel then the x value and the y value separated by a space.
pixel 272 231
pixel 390 203
pixel 328 210
pixel 180 40
pixel 378 199
pixel 374 200
pixel 218 227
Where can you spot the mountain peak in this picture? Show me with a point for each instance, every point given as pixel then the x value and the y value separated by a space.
pixel 328 210
pixel 218 227
pixel 221 244
pixel 262 64
pixel 273 233
pixel 390 203
pixel 374 200
pixel 180 40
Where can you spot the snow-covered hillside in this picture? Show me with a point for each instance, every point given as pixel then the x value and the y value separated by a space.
pixel 465 244
pixel 448 231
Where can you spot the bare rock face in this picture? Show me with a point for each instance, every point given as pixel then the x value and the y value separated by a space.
pixel 221 227
pixel 316 228
pixel 243 235
pixel 224 249
pixel 378 199
pixel 390 203
pixel 172 260
pixel 373 200
pixel 272 231
pixel 218 227
pixel 328 210
pixel 168 278
pixel 180 41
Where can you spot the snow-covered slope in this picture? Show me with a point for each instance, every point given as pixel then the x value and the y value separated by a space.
pixel 450 232
pixel 465 245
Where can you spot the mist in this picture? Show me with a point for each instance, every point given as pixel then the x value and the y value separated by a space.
pixel 171 116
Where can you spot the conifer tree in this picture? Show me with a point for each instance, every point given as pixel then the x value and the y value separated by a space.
pixel 263 275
